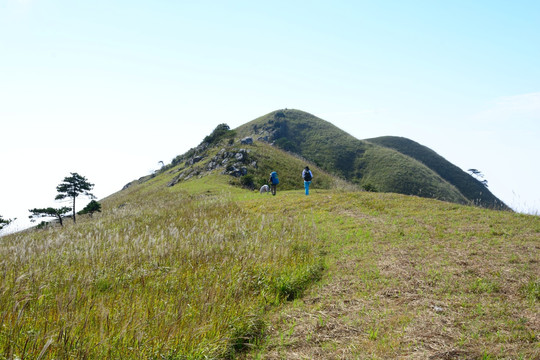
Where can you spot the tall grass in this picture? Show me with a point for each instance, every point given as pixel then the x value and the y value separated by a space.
pixel 162 275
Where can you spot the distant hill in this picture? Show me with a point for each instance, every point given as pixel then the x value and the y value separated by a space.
pixel 245 165
pixel 287 140
pixel 375 164
pixel 471 188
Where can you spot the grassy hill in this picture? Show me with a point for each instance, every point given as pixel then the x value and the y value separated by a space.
pixel 471 188
pixel 247 166
pixel 378 165
pixel 190 263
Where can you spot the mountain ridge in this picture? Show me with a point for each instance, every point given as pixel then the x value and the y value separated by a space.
pixel 466 184
pixel 373 164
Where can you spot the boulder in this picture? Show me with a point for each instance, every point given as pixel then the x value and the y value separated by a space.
pixel 196 159
pixel 212 165
pixel 233 171
pixel 174 181
pixel 193 160
pixel 247 140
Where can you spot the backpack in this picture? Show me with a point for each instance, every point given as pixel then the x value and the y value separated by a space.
pixel 307 176
pixel 273 178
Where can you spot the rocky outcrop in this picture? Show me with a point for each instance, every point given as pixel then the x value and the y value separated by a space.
pixel 232 161
pixel 247 141
pixel 184 175
pixel 194 160
pixel 235 171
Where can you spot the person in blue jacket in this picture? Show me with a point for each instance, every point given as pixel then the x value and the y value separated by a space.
pixel 307 175
pixel 273 182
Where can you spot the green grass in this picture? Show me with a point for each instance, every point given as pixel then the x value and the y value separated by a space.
pixel 205 270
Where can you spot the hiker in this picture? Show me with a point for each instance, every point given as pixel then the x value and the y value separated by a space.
pixel 307 175
pixel 273 182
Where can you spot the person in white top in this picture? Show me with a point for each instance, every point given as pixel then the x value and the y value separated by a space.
pixel 307 175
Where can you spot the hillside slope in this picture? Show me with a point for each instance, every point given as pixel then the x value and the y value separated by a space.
pixel 245 165
pixel 205 270
pixel 371 166
pixel 375 164
pixel 471 188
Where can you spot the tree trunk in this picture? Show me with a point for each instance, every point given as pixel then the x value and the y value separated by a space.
pixel 74 209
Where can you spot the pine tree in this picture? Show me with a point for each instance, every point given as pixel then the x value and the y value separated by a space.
pixel 4 222
pixel 47 212
pixel 92 207
pixel 72 187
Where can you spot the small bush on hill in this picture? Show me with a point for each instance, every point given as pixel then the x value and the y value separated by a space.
pixel 369 187
pixel 286 144
pixel 247 182
pixel 222 131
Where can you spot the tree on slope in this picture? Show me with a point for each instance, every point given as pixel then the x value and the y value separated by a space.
pixel 4 222
pixel 49 212
pixel 92 207
pixel 479 175
pixel 72 187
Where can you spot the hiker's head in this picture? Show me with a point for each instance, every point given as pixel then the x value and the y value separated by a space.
pixel 307 168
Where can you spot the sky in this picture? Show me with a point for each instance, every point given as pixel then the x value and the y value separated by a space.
pixel 108 89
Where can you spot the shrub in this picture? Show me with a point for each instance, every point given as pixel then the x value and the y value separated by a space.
pixel 222 131
pixel 286 144
pixel 4 222
pixel 369 187
pixel 92 207
pixel 247 181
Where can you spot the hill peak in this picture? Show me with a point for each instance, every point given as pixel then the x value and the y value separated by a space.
pixel 387 164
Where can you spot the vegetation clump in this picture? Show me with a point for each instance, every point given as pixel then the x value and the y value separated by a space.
pixel 57 213
pixel 91 208
pixel 222 131
pixel 4 222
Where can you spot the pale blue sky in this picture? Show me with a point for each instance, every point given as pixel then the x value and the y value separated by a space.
pixel 148 80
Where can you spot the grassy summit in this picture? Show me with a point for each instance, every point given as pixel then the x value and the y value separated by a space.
pixel 377 164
